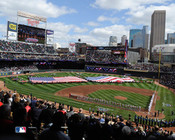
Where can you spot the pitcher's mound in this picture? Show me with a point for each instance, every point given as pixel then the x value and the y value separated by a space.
pixel 120 97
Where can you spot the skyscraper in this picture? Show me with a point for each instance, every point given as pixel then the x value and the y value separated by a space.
pixel 123 39
pixel 145 37
pixel 157 29
pixel 131 35
pixel 113 41
pixel 139 38
pixel 171 38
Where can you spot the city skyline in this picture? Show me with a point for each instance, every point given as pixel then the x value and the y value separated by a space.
pixel 92 21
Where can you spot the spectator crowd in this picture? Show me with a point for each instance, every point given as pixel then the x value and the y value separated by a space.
pixel 149 67
pixel 24 51
pixel 168 80
pixel 104 57
pixel 25 47
pixel 44 120
pixel 18 68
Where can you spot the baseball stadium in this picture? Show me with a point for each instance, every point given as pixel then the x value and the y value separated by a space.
pixel 96 83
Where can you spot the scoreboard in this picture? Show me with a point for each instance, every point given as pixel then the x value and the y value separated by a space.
pixel 31 34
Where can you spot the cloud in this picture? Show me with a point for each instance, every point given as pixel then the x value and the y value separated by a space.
pixel 125 4
pixel 104 18
pixel 80 30
pixel 142 15
pixel 92 23
pixel 138 12
pixel 97 36
pixel 103 34
pixel 100 36
pixel 65 33
pixel 39 7
pixel 3 30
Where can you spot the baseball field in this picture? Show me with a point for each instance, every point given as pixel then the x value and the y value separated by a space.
pixel 137 94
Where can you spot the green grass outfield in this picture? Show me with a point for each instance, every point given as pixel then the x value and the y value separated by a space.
pixel 47 91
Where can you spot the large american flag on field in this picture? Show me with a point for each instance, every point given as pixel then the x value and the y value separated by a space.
pixel 104 79
pixel 68 79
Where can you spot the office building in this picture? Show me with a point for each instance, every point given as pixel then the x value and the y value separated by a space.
pixel 157 29
pixel 145 36
pixel 131 35
pixel 171 38
pixel 113 41
pixel 123 39
pixel 139 38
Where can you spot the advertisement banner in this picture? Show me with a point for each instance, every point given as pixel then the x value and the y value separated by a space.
pixel 49 40
pixel 12 26
pixel 50 33
pixel 50 36
pixel 3 74
pixel 11 31
pixel 12 35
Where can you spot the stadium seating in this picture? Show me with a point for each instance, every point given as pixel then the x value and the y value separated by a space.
pixel 7 68
pixel 25 47
pixel 168 80
pixel 149 67
pixel 104 57
pixel 24 51
pixel 34 119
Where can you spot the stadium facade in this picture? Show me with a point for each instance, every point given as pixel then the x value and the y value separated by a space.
pixel 167 52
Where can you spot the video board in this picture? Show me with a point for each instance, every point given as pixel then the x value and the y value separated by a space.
pixel 31 34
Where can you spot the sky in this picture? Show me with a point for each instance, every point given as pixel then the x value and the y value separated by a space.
pixel 92 21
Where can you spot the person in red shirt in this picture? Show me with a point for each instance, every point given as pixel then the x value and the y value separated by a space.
pixel 1 103
pixel 61 109
pixel 28 111
pixel 27 107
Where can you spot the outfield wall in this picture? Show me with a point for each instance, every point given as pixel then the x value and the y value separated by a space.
pixel 78 66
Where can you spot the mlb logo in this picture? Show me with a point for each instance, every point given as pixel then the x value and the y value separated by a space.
pixel 20 129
